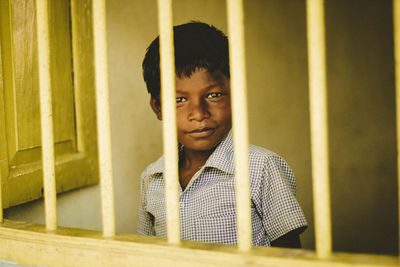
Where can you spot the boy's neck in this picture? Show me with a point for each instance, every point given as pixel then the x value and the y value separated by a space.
pixel 194 159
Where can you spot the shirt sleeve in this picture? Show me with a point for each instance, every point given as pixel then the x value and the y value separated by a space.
pixel 280 211
pixel 146 220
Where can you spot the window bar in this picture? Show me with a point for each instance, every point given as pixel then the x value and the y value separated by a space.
pixel 167 68
pixel 239 121
pixel 319 126
pixel 396 28
pixel 103 117
pixel 46 115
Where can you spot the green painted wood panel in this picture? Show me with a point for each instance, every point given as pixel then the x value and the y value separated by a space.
pixel 25 94
pixel 73 99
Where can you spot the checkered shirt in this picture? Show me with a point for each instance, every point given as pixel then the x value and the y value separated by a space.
pixel 207 205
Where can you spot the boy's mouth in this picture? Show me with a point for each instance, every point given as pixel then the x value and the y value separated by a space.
pixel 203 132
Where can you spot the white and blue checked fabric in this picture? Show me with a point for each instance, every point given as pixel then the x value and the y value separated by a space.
pixel 207 205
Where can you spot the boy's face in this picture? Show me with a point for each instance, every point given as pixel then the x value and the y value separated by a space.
pixel 203 110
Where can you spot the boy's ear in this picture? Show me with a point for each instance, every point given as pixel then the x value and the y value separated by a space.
pixel 156 108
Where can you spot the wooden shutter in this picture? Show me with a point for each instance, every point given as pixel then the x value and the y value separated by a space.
pixel 73 102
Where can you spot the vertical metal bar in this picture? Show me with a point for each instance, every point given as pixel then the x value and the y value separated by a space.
pixel 103 117
pixel 167 68
pixel 396 33
pixel 46 114
pixel 319 125
pixel 239 121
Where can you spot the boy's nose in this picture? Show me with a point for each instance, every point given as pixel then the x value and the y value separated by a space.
pixel 198 111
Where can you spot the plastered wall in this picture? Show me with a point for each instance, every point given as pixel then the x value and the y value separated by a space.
pixel 362 125
pixel 361 112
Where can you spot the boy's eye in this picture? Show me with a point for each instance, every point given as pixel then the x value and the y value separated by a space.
pixel 180 99
pixel 214 95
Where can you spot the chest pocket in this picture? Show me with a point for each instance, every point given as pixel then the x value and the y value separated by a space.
pixel 215 217
pixel 221 229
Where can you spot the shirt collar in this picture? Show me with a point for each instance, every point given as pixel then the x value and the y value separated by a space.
pixel 221 158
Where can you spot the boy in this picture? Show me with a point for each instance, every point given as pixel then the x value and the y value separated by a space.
pixel 206 170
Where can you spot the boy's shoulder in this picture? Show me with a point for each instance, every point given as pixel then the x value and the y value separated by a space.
pixel 271 166
pixel 154 168
pixel 259 154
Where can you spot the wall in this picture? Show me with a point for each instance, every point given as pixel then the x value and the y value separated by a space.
pixel 361 112
pixel 362 125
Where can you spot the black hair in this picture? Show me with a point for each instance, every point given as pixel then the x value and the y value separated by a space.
pixel 197 45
